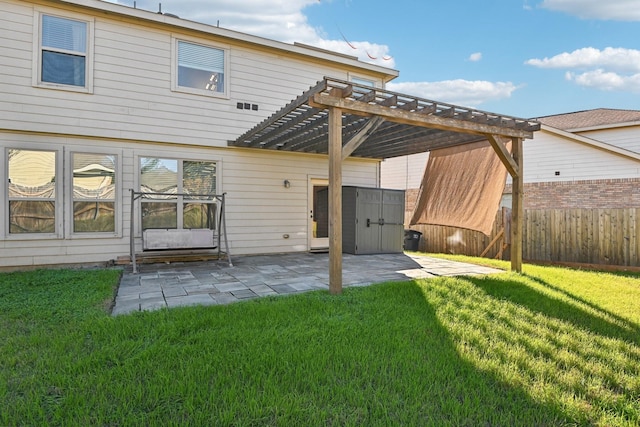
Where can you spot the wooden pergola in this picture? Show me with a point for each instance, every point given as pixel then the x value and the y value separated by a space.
pixel 343 119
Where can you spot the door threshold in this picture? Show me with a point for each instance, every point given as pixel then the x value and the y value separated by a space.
pixel 319 250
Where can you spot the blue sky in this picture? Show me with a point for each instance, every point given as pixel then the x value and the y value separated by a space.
pixel 525 58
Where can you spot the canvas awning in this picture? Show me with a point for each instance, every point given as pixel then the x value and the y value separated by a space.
pixel 343 119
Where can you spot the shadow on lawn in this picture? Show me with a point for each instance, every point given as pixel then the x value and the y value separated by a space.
pixel 605 323
pixel 619 319
pixel 566 356
pixel 454 389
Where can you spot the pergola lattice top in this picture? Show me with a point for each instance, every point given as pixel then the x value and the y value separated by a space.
pixel 393 124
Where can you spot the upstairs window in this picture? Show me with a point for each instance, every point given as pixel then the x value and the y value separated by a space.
pixel 362 81
pixel 200 69
pixel 64 53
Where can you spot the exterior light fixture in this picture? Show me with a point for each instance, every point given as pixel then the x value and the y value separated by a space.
pixel 287 183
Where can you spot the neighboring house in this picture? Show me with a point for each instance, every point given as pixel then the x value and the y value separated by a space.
pixel 586 159
pixel 97 99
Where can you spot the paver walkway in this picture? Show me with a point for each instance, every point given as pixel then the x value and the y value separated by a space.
pixel 157 286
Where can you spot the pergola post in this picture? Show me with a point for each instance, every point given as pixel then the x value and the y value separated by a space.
pixel 335 200
pixel 517 209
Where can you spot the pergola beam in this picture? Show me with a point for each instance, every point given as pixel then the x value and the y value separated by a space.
pixel 504 155
pixel 247 137
pixel 361 136
pixel 321 100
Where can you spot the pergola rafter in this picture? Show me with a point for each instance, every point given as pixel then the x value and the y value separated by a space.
pixel 380 124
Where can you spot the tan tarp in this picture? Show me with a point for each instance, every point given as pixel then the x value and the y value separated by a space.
pixel 462 187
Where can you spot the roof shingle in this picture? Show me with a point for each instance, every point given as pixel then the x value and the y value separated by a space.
pixel 590 118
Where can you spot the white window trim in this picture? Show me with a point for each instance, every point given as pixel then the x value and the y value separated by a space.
pixel 37 49
pixel 68 202
pixel 375 83
pixel 174 156
pixel 193 91
pixel 58 202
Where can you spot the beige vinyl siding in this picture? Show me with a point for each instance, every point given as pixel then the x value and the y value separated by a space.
pixel 403 173
pixel 133 111
pixel 260 211
pixel 132 96
pixel 15 25
pixel 15 68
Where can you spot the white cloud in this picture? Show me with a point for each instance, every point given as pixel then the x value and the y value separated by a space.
pixel 608 69
pixel 608 81
pixel 281 20
pixel 614 10
pixel 619 59
pixel 460 92
pixel 475 57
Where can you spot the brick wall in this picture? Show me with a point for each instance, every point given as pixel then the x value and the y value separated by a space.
pixel 591 194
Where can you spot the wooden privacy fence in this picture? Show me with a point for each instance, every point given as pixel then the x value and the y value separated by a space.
pixel 593 236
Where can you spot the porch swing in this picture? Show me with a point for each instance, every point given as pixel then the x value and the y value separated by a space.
pixel 161 244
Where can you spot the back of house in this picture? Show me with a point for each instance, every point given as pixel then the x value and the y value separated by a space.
pixel 99 101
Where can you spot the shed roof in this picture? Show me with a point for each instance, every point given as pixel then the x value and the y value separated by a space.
pixel 392 124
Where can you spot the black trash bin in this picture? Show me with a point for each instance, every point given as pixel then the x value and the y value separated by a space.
pixel 411 240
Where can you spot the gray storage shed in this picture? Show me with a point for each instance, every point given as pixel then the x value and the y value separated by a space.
pixel 372 220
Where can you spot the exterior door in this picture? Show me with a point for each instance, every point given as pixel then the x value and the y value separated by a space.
pixel 318 214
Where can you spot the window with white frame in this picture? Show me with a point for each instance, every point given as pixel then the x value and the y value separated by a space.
pixel 363 81
pixel 94 192
pixel 31 182
pixel 179 193
pixel 64 52
pixel 200 69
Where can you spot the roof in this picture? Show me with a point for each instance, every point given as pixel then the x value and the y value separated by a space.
pixel 590 118
pixel 168 19
pixel 390 124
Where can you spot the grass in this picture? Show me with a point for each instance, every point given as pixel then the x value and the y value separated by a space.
pixel 549 347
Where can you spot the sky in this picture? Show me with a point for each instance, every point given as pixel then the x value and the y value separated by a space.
pixel 524 58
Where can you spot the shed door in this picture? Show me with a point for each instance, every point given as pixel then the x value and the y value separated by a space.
pixel 392 233
pixel 368 216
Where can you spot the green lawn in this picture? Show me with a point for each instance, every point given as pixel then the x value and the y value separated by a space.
pixel 549 347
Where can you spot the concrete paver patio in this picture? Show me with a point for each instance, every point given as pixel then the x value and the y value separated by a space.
pixel 157 286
